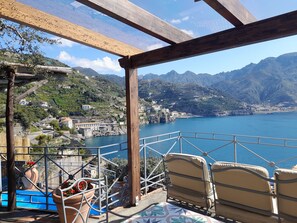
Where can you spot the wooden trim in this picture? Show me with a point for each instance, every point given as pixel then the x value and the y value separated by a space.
pixel 264 30
pixel 23 14
pixel 233 11
pixel 134 16
pixel 10 162
pixel 132 132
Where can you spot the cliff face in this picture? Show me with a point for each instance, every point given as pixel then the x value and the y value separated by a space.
pixel 162 117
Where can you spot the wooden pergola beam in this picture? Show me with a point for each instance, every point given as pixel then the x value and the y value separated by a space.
pixel 134 16
pixel 23 14
pixel 264 30
pixel 233 11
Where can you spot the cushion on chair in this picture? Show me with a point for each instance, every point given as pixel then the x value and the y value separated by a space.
pixel 231 180
pixel 189 178
pixel 287 190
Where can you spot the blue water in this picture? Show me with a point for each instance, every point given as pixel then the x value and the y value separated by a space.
pixel 280 125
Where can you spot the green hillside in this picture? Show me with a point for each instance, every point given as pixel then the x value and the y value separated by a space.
pixel 189 98
pixel 65 97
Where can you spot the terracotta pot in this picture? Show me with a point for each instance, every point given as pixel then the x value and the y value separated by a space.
pixel 31 174
pixel 75 202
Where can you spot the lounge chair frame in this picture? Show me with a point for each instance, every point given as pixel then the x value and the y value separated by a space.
pixel 242 207
pixel 280 196
pixel 205 195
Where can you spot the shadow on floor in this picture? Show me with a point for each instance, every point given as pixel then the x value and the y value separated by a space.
pixel 22 216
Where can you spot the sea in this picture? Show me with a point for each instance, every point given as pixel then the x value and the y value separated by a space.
pixel 276 125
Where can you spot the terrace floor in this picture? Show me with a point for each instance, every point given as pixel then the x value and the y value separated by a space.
pixel 116 215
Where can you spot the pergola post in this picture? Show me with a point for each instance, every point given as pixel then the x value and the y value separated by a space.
pixel 10 163
pixel 132 131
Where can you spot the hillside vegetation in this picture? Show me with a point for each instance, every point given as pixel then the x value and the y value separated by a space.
pixel 272 81
pixel 64 96
pixel 189 98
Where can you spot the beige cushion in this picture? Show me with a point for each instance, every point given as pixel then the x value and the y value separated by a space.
pixel 245 200
pixel 286 206
pixel 189 178
pixel 242 215
pixel 188 196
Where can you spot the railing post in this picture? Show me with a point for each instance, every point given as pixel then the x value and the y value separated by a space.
pixel 145 166
pixel 99 172
pixel 46 174
pixel 180 142
pixel 235 150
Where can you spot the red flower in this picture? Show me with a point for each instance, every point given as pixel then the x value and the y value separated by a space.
pixel 29 164
pixel 76 188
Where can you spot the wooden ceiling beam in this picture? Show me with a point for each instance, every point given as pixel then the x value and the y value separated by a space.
pixel 132 15
pixel 264 30
pixel 23 14
pixel 233 11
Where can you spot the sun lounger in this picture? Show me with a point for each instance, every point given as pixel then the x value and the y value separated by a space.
pixel 189 179
pixel 243 192
pixel 286 190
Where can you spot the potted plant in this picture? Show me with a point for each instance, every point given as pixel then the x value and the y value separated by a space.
pixel 73 200
pixel 31 175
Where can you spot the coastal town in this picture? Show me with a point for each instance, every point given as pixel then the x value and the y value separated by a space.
pixel 78 128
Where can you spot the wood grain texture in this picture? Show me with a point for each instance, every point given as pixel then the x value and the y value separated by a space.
pixel 232 10
pixel 23 14
pixel 134 16
pixel 132 132
pixel 264 30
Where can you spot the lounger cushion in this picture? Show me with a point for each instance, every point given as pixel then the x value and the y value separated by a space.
pixel 243 215
pixel 238 198
pixel 189 196
pixel 189 178
pixel 286 206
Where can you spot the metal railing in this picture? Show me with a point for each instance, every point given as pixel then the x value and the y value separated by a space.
pixel 57 164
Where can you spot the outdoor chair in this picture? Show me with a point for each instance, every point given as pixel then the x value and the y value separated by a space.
pixel 286 190
pixel 189 180
pixel 243 192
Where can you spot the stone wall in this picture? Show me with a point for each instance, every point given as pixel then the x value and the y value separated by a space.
pixel 22 145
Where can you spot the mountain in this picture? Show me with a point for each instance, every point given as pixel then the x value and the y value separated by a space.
pixel 87 71
pixel 272 81
pixel 65 97
pixel 190 98
pixel 187 77
pixel 111 77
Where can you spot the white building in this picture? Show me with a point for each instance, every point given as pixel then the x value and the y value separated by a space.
pixel 66 121
pixel 24 102
pixel 86 107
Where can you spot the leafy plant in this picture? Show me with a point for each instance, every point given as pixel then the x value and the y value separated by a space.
pixel 75 188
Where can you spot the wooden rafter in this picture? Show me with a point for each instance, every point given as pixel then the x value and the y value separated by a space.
pixel 233 11
pixel 23 14
pixel 264 30
pixel 130 14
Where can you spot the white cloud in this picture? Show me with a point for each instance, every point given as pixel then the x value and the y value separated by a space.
pixel 64 42
pixel 189 32
pixel 178 21
pixel 175 21
pixel 106 64
pixel 154 46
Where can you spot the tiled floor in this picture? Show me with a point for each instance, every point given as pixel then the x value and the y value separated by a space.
pixel 116 215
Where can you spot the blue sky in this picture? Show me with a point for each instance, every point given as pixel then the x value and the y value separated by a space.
pixel 196 19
